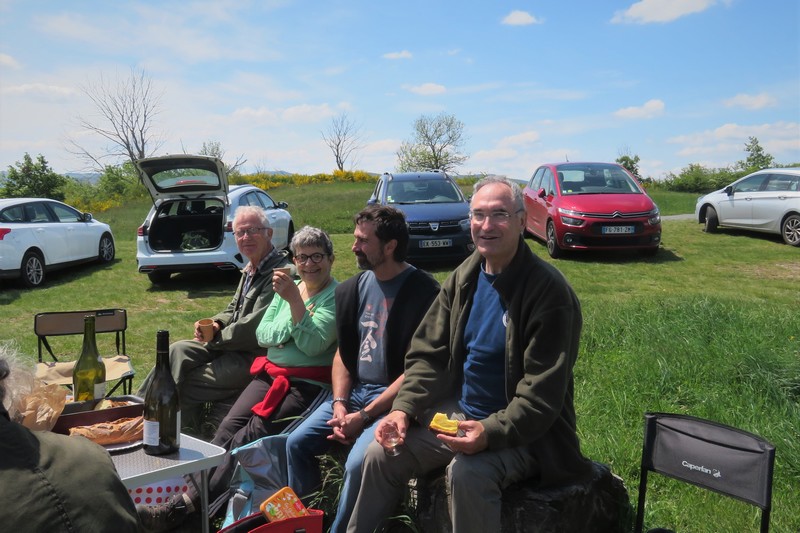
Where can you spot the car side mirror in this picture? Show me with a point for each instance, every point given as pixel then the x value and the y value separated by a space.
pixel 728 190
pixel 372 201
pixel 87 217
pixel 541 193
pixel 283 205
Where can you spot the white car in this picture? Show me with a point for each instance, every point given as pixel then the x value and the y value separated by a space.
pixel 767 201
pixel 38 235
pixel 190 226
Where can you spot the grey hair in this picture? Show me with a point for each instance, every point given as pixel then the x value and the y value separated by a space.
pixel 311 237
pixel 252 210
pixel 516 190
pixel 16 377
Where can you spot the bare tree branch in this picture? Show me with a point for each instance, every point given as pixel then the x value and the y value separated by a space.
pixel 343 137
pixel 126 110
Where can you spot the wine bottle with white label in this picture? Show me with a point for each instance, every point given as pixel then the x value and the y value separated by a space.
pixel 162 412
pixel 89 373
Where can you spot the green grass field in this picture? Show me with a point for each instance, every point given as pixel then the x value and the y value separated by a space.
pixel 708 327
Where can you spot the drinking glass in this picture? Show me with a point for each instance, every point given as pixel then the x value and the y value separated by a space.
pixel 391 437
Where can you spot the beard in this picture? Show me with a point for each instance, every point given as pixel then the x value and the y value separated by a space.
pixel 364 262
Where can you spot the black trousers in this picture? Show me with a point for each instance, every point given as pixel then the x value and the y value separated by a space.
pixel 240 426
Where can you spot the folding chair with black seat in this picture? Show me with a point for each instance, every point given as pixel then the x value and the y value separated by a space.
pixel 61 323
pixel 712 456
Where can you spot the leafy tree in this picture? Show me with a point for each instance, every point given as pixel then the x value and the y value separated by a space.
pixel 344 139
pixel 214 149
pixel 757 158
pixel 631 164
pixel 437 143
pixel 34 179
pixel 118 181
pixel 127 109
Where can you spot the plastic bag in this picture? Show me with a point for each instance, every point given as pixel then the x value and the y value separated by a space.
pixel 261 472
pixel 40 408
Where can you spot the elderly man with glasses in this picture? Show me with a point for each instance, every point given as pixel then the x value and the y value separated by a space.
pixel 219 370
pixel 495 352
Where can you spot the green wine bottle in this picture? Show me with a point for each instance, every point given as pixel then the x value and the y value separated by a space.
pixel 89 374
pixel 162 412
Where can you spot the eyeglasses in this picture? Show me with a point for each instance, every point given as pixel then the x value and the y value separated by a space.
pixel 248 231
pixel 303 258
pixel 496 217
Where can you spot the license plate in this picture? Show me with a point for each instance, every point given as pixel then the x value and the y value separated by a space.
pixel 615 230
pixel 438 243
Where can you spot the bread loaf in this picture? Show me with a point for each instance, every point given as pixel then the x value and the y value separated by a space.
pixel 114 432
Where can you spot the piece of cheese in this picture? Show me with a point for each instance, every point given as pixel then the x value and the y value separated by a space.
pixel 442 424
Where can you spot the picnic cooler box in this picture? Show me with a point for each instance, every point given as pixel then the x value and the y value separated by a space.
pixel 257 523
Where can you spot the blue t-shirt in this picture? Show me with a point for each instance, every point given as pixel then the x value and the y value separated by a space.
pixel 483 391
pixel 375 301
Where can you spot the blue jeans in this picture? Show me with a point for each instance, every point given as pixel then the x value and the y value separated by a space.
pixel 309 440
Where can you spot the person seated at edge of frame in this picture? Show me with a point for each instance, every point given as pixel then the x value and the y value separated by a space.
pixel 496 352
pixel 52 482
pixel 298 330
pixel 377 311
pixel 219 370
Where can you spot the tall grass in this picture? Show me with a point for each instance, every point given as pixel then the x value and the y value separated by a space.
pixel 708 327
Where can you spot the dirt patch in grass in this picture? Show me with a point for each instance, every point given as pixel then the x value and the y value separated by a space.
pixel 782 271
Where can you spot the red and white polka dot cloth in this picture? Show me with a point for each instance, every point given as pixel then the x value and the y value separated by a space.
pixel 157 493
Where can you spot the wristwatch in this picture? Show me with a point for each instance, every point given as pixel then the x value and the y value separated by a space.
pixel 339 399
pixel 364 416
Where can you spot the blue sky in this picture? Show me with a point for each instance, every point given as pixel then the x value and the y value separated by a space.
pixel 672 81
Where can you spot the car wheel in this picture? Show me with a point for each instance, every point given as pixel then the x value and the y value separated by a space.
pixel 106 250
pixel 32 269
pixel 790 230
pixel 158 276
pixel 552 241
pixel 711 220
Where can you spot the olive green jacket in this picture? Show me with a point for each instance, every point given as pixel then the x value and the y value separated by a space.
pixel 238 331
pixel 55 483
pixel 544 324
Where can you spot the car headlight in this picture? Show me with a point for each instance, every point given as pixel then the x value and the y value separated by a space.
pixel 654 217
pixel 569 217
pixel 464 224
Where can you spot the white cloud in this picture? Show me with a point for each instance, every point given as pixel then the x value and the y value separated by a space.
pixel 405 54
pixel 8 61
pixel 651 109
pixel 520 139
pixel 520 18
pixel 308 113
pixel 426 89
pixel 648 11
pixel 39 89
pixel 751 101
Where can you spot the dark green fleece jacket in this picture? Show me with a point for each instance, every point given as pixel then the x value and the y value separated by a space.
pixel 544 325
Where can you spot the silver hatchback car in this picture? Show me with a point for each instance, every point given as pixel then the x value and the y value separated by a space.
pixel 767 201
pixel 190 226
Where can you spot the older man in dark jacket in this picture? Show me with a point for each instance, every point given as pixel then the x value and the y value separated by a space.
pixel 495 352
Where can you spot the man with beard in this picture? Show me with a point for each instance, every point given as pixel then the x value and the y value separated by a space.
pixel 377 312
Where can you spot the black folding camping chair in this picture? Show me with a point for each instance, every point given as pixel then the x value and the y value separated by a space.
pixel 713 456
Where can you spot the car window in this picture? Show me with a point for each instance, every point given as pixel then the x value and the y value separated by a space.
pixel 423 191
pixel 15 213
pixel 536 180
pixel 377 193
pixel 266 200
pixel 751 184
pixel 37 212
pixel 549 183
pixel 782 182
pixel 66 214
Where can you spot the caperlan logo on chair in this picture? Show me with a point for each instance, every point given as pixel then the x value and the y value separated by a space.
pixel 714 472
